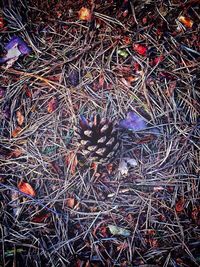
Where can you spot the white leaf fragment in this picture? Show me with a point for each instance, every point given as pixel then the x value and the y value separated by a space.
pixel 115 230
pixel 123 165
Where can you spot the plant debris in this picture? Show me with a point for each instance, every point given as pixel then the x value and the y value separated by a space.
pixel 135 64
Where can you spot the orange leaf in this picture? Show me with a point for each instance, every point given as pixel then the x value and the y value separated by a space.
pixel 70 202
pixel 186 21
pixel 26 188
pixel 140 49
pixel 84 14
pixel 180 204
pixel 20 117
pixel 16 132
pixel 52 105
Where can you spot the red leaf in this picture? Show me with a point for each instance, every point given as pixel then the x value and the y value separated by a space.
pixel 26 188
pixel 52 105
pixel 158 59
pixel 2 24
pixel 180 204
pixel 140 49
pixel 40 218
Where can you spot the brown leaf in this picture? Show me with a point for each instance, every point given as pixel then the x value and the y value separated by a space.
pixel 187 22
pixel 20 118
pixel 180 204
pixel 16 132
pixel 84 14
pixel 71 161
pixel 26 188
pixel 52 105
pixel 171 88
pixel 15 153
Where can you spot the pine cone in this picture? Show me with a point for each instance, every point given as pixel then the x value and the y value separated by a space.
pixel 98 139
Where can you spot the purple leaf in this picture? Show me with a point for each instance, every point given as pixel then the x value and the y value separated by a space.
pixel 83 122
pixel 133 122
pixel 74 78
pixel 18 42
pixel 15 47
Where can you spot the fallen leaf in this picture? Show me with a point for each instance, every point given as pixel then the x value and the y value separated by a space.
pixel 71 161
pixel 171 88
pixel 14 48
pixel 180 204
pixel 26 188
pixel 186 21
pixel 70 202
pixel 140 49
pixel 122 53
pixel 131 162
pixel 109 168
pixel 52 105
pixel 2 92
pixel 84 14
pixel 115 230
pixel 133 122
pixel 74 77
pixel 158 59
pixel 40 218
pixel 16 132
pixel 20 118
pixel 2 24
pixel 15 153
pixel 126 40
pixel 123 167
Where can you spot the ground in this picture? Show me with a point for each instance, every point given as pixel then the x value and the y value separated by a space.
pixel 108 58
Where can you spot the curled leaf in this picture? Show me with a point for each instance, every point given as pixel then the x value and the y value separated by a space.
pixel 26 188
pixel 133 122
pixel 115 230
pixel 84 14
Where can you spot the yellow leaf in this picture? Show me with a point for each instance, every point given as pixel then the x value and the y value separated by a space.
pixel 84 14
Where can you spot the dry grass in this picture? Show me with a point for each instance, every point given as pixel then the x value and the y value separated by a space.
pixel 66 223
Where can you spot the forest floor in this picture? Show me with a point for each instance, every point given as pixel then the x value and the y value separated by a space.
pixel 109 58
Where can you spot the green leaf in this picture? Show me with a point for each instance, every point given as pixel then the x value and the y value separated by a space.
pixel 122 53
pixel 115 230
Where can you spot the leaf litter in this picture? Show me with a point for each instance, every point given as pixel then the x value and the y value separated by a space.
pixel 135 62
